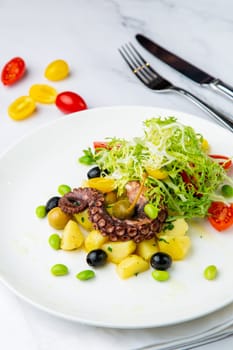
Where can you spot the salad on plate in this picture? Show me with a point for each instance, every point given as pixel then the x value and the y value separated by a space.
pixel 139 196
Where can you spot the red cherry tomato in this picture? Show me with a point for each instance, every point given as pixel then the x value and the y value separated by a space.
pixel 100 144
pixel 221 215
pixel 13 71
pixel 70 102
pixel 225 161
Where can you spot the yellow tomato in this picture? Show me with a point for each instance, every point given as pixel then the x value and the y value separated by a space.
pixel 21 108
pixel 205 145
pixel 43 93
pixel 57 70
pixel 156 173
pixel 102 184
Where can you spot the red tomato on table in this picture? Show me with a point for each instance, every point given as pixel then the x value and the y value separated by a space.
pixel 221 215
pixel 13 71
pixel 70 102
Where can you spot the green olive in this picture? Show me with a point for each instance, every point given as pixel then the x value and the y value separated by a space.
pixel 110 197
pixel 122 210
pixel 59 270
pixel 160 275
pixel 57 218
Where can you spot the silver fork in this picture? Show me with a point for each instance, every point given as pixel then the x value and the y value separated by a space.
pixel 149 77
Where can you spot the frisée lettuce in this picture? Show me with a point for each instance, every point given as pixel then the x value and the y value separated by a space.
pixel 190 177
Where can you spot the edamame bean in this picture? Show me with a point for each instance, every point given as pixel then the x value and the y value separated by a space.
pixel 55 241
pixel 59 270
pixel 63 189
pixel 160 275
pixel 151 211
pixel 41 211
pixel 227 191
pixel 85 275
pixel 210 272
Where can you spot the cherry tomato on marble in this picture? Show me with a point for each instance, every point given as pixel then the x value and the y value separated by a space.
pixel 70 102
pixel 43 93
pixel 57 70
pixel 13 71
pixel 221 215
pixel 21 108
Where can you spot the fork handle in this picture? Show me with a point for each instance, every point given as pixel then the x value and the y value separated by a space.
pixel 220 117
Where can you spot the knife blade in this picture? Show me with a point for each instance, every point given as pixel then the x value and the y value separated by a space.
pixel 184 67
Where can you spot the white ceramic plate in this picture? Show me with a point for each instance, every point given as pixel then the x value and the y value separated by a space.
pixel 30 173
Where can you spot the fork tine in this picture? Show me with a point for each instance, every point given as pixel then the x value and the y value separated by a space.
pixel 145 63
pixel 133 66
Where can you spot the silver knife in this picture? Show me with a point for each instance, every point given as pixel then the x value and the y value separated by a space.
pixel 184 67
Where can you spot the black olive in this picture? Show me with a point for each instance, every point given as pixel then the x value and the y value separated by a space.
pixel 96 257
pixel 52 203
pixel 161 261
pixel 94 172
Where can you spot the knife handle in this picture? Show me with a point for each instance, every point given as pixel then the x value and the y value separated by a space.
pixel 219 85
pixel 220 117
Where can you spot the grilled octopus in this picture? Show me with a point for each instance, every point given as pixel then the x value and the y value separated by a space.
pixel 138 228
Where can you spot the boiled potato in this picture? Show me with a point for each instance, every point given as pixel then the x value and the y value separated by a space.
pixel 131 266
pixel 117 251
pixel 147 248
pixel 83 219
pixel 94 240
pixel 176 246
pixel 72 237
pixel 180 228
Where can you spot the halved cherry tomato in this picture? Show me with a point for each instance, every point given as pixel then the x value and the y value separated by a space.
pixel 13 71
pixel 221 215
pixel 100 144
pixel 22 108
pixel 43 93
pixel 70 102
pixel 225 161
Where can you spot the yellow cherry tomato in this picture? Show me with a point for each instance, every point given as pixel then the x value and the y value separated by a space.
pixel 205 145
pixel 43 93
pixel 157 173
pixel 57 70
pixel 102 184
pixel 22 108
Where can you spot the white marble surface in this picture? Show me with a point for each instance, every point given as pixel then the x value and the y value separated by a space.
pixel 87 33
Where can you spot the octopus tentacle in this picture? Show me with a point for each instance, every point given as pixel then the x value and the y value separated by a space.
pixel 137 229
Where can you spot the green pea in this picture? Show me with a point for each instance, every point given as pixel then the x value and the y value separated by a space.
pixel 160 275
pixel 41 211
pixel 151 211
pixel 55 241
pixel 227 191
pixel 210 272
pixel 85 275
pixel 59 270
pixel 63 189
